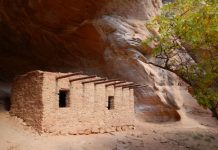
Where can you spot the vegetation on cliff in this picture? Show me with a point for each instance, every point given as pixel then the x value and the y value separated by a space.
pixel 190 26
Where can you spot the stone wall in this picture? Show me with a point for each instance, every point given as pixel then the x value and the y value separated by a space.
pixel 88 112
pixel 35 99
pixel 26 99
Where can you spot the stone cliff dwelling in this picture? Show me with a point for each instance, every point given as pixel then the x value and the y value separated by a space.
pixel 73 103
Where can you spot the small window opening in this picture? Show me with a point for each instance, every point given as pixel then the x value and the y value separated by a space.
pixel 63 98
pixel 110 102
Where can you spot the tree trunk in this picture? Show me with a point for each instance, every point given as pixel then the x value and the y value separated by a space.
pixel 214 112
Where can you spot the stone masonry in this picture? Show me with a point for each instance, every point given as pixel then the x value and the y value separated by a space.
pixel 73 103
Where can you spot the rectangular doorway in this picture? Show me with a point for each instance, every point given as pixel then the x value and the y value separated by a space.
pixel 110 102
pixel 64 98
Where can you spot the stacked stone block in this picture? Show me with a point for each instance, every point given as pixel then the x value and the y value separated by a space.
pixel 35 99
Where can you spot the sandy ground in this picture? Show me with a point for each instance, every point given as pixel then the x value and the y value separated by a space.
pixel 147 136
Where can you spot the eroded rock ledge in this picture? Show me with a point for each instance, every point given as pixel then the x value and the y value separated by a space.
pixel 97 36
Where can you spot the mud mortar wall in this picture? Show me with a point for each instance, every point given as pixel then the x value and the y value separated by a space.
pixel 26 99
pixel 87 112
pixel 35 99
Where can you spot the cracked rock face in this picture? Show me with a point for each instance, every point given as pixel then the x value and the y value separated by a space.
pixel 100 37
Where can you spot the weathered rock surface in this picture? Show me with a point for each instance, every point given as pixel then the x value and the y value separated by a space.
pixel 97 36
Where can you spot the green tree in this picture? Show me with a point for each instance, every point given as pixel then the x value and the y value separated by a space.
pixel 190 26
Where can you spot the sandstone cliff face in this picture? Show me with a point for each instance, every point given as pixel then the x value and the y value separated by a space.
pixel 97 36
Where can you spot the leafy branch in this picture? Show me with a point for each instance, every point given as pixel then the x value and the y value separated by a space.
pixel 189 27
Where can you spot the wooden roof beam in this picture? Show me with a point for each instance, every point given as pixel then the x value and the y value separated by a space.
pixel 124 85
pixel 107 81
pixel 120 82
pixel 103 79
pixel 140 86
pixel 83 78
pixel 135 86
pixel 69 75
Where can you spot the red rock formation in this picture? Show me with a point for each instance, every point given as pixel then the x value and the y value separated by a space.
pixel 98 36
